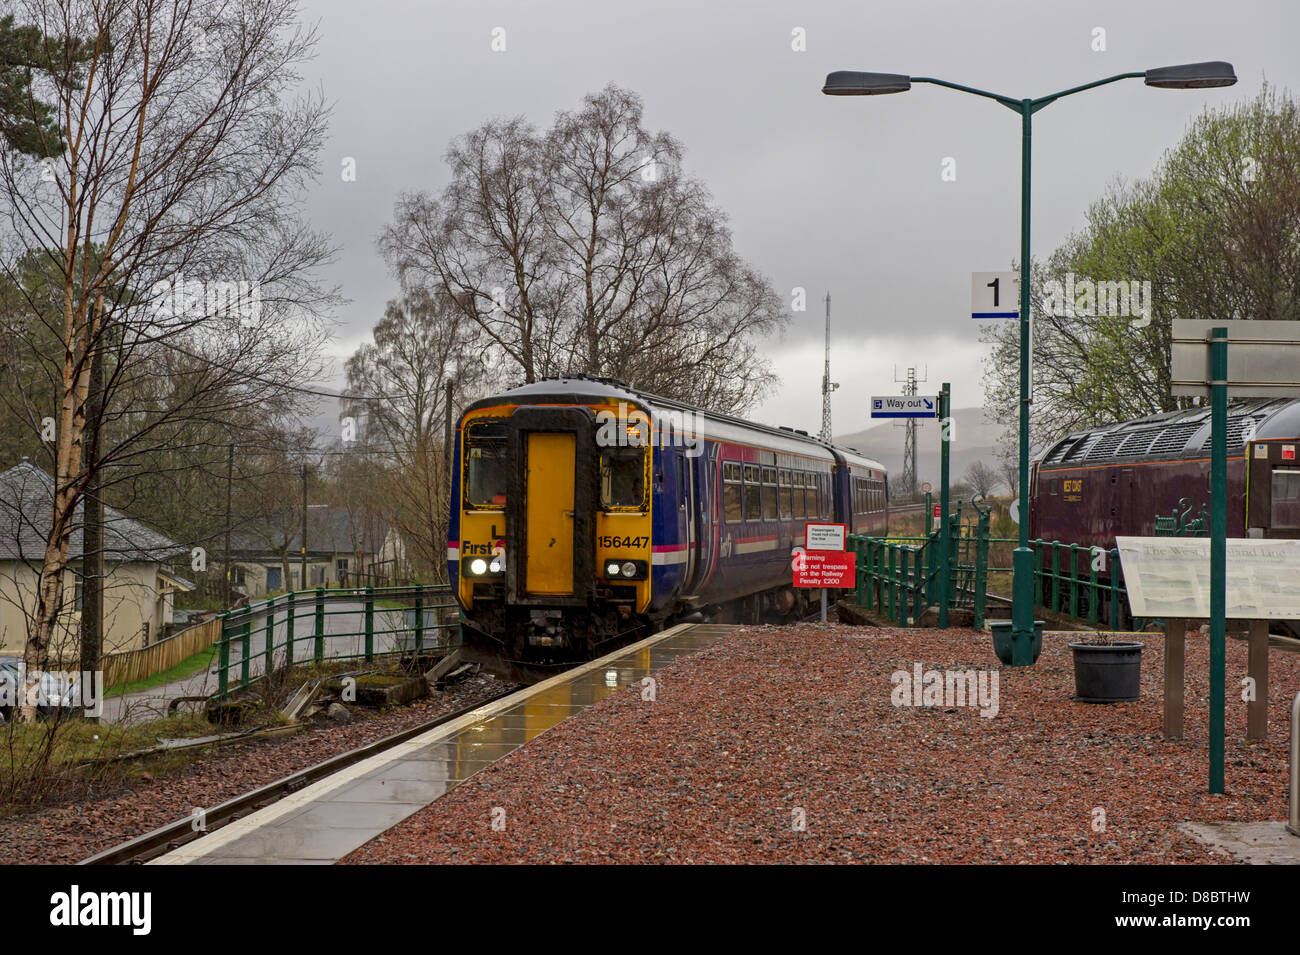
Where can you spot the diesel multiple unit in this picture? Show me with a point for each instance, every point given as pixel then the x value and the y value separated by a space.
pixel 587 513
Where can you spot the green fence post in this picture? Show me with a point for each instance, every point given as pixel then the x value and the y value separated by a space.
pixel 981 570
pixel 269 630
pixel 1038 572
pixel 288 634
pixel 370 623
pixel 419 617
pixel 1074 580
pixel 318 651
pixel 1056 576
pixel 1114 588
pixel 891 581
pixel 1094 614
pixel 223 675
pixel 245 642
pixel 906 592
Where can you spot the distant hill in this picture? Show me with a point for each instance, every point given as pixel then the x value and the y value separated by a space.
pixel 975 438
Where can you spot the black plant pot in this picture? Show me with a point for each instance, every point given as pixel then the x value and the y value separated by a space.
pixel 1108 674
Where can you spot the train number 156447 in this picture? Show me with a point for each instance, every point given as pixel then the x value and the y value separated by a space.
pixel 616 541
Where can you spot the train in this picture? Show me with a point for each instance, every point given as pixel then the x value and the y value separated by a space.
pixel 1095 484
pixel 586 513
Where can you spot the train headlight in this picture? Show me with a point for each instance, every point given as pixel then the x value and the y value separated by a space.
pixel 628 569
pixel 478 566
pixel 495 566
pixel 612 569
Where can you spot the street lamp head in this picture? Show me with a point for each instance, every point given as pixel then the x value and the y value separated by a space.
pixel 1192 76
pixel 852 83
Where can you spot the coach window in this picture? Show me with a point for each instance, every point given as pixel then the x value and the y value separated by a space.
pixel 785 493
pixel 798 507
pixel 753 501
pixel 1286 500
pixel 731 490
pixel 486 471
pixel 769 494
pixel 622 479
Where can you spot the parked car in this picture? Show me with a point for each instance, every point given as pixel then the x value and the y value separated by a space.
pixel 56 690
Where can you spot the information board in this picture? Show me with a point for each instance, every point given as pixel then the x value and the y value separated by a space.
pixel 1170 577
pixel 825 536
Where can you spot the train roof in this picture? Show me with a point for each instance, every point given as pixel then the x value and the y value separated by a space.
pixel 1175 434
pixel 581 389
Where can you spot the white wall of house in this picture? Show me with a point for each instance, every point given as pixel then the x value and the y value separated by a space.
pixel 137 606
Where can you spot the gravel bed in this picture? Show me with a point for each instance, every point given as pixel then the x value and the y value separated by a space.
pixel 773 725
pixel 70 833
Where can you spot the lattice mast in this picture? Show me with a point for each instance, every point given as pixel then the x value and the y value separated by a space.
pixel 827 385
pixel 907 483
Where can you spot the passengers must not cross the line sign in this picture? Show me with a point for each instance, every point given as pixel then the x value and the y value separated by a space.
pixel 905 406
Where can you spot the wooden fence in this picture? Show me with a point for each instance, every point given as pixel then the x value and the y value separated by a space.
pixel 132 665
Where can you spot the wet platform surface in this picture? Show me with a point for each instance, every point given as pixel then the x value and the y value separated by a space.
pixel 325 821
pixel 1256 843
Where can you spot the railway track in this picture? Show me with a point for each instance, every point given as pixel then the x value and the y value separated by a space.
pixel 175 834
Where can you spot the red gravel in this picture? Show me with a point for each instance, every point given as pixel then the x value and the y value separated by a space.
pixel 70 833
pixel 771 720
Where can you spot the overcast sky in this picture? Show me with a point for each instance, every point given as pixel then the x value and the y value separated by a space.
pixel 825 193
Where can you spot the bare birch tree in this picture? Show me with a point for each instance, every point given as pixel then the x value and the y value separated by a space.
pixel 169 213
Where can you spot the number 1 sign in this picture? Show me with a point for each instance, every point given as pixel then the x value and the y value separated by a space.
pixel 995 295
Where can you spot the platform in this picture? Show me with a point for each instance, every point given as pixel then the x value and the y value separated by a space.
pixel 325 821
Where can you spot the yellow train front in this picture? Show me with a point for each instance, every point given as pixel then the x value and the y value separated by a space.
pixel 586 514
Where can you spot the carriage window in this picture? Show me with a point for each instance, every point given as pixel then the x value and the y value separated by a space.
pixel 1286 500
pixel 785 493
pixel 753 507
pixel 486 466
pixel 731 490
pixel 769 494
pixel 800 505
pixel 622 478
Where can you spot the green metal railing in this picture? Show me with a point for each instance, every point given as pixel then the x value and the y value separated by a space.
pixel 412 619
pixel 1069 579
pixel 898 577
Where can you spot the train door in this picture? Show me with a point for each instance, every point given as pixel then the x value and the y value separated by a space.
pixel 692 519
pixel 549 486
pixel 1273 490
pixel 551 506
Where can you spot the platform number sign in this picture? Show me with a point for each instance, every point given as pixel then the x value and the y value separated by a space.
pixel 995 295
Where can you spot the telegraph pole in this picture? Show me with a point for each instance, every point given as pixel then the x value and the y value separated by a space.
pixel 304 529
pixel 827 385
pixel 230 482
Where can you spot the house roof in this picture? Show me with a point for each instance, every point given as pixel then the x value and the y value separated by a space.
pixel 330 530
pixel 26 499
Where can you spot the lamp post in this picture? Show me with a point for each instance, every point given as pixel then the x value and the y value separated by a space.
pixel 1188 76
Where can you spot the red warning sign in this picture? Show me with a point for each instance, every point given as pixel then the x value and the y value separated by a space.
pixel 824 568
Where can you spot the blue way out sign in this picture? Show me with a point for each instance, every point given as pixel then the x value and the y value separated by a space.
pixel 905 406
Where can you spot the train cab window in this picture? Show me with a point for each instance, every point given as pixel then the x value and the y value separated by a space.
pixel 486 467
pixel 769 494
pixel 622 478
pixel 753 500
pixel 1051 485
pixel 785 493
pixel 1286 500
pixel 731 490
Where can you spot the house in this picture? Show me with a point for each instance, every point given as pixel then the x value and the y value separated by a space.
pixel 346 547
pixel 139 589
